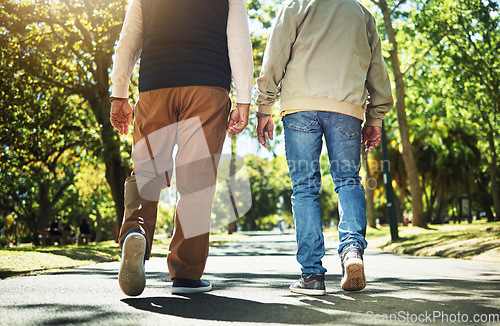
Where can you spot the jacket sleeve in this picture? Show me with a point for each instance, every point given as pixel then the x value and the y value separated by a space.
pixel 378 83
pixel 128 50
pixel 276 58
pixel 240 50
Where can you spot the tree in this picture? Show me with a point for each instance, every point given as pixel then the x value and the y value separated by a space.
pixel 467 38
pixel 95 197
pixel 69 45
pixel 264 194
pixel 261 14
pixel 447 161
pixel 39 154
pixel 369 190
pixel 389 10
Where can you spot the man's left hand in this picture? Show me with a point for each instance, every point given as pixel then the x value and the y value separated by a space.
pixel 238 119
pixel 371 137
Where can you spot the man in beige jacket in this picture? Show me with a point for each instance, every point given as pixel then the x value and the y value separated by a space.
pixel 324 61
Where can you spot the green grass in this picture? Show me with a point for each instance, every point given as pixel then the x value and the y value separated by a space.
pixel 476 241
pixel 29 259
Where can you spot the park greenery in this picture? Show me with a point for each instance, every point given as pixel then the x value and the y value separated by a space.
pixel 479 241
pixel 60 156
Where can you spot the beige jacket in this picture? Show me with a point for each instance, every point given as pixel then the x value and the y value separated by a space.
pixel 325 55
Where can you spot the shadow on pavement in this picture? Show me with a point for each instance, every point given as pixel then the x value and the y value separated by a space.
pixel 402 300
pixel 72 314
pixel 264 298
pixel 213 307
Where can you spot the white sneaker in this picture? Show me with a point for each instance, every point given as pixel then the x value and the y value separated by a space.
pixel 132 277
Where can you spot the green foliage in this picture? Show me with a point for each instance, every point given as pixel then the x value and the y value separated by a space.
pixel 41 154
pixel 261 15
pixel 448 53
pixel 455 91
pixel 271 190
pixel 58 149
pixel 63 43
pixel 65 49
pixel 267 185
pixel 165 218
pixel 94 197
pixel 447 160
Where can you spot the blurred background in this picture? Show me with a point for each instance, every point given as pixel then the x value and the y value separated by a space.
pixel 59 155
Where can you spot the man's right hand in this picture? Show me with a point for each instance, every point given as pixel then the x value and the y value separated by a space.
pixel 265 126
pixel 121 115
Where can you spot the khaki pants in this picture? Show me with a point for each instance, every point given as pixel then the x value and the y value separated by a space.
pixel 155 111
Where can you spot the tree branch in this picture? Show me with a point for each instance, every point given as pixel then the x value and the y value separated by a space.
pixel 396 6
pixel 474 71
pixel 422 56
pixel 53 162
pixel 59 194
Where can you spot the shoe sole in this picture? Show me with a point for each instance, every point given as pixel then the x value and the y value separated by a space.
pixel 308 291
pixel 186 290
pixel 132 278
pixel 354 278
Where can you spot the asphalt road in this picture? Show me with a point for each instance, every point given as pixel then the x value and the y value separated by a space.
pixel 251 280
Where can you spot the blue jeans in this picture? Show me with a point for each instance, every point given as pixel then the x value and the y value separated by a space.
pixel 304 131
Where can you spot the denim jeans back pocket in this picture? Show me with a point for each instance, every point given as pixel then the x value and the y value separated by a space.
pixel 302 120
pixel 349 127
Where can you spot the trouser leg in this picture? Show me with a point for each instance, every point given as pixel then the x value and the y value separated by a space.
pixel 343 140
pixel 153 141
pixel 163 118
pixel 205 114
pixel 139 214
pixel 303 143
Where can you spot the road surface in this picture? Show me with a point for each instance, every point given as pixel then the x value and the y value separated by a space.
pixel 251 280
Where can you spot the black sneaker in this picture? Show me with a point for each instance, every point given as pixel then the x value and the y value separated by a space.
pixel 312 285
pixel 353 272
pixel 182 285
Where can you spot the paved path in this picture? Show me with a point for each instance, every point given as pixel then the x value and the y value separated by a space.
pixel 251 280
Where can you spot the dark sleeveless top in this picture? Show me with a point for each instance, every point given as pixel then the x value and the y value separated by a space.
pixel 184 44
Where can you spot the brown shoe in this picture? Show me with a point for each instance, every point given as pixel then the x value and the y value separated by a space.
pixel 353 272
pixel 313 285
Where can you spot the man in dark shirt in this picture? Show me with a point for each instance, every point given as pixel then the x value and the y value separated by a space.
pixel 189 49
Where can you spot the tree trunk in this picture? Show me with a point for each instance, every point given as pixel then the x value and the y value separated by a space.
pixel 369 191
pixel 116 169
pixel 408 158
pixel 231 228
pixel 116 173
pixel 439 209
pixel 98 228
pixel 431 210
pixel 494 187
pixel 493 165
